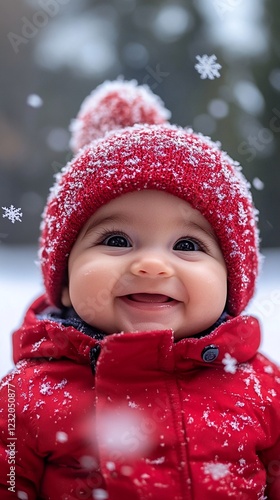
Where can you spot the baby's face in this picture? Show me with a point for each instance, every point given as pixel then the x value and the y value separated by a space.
pixel 147 261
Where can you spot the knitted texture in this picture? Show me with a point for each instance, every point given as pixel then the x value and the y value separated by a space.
pixel 163 157
pixel 115 105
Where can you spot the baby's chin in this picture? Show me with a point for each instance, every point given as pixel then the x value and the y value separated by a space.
pixel 152 326
pixel 146 326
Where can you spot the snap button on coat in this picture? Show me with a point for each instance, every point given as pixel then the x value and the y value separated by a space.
pixel 210 353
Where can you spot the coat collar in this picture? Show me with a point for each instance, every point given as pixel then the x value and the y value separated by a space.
pixel 235 341
pixel 232 343
pixel 45 338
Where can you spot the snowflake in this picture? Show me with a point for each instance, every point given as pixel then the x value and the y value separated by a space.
pixel 258 184
pixel 45 388
pixel 132 404
pixel 207 67
pixel 61 437
pixel 12 213
pixel 230 363
pixel 216 470
pixel 22 495
pixel 34 100
pixel 100 494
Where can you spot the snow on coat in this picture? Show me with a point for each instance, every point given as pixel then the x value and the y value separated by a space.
pixel 197 419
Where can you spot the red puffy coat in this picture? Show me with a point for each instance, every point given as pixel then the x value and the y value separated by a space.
pixel 197 419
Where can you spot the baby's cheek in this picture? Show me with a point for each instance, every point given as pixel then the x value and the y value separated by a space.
pixel 90 296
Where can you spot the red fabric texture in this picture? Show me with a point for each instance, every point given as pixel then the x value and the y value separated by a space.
pixel 150 156
pixel 154 422
pixel 112 106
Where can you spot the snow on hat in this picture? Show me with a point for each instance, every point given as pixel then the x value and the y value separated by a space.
pixel 115 105
pixel 140 150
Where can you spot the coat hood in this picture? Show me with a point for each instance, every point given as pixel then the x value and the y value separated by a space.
pixel 235 341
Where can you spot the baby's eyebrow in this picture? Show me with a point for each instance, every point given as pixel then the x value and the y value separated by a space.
pixel 123 219
pixel 102 219
pixel 194 225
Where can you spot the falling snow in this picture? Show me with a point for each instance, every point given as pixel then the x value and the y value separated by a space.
pixel 110 466
pixel 61 437
pixel 268 369
pixel 132 404
pixel 207 67
pixel 12 213
pixel 230 363
pixel 157 461
pixel 100 494
pixel 45 388
pixel 22 495
pixel 34 100
pixel 216 470
pixel 36 345
pixel 258 184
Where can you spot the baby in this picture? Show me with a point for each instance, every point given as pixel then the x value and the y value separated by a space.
pixel 136 375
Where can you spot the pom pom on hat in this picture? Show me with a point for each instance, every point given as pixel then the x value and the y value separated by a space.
pixel 115 105
pixel 152 155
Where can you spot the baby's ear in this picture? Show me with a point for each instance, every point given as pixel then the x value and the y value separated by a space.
pixel 65 297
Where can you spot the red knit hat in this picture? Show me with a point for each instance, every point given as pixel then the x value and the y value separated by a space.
pixel 141 150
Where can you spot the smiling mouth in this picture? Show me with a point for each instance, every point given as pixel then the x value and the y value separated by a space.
pixel 149 300
pixel 152 298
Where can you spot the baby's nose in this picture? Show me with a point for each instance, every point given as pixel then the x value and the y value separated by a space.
pixel 151 266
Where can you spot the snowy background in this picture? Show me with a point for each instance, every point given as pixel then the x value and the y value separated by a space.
pixel 60 51
pixel 21 283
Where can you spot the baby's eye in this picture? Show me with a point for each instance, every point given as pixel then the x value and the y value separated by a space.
pixel 116 240
pixel 187 245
